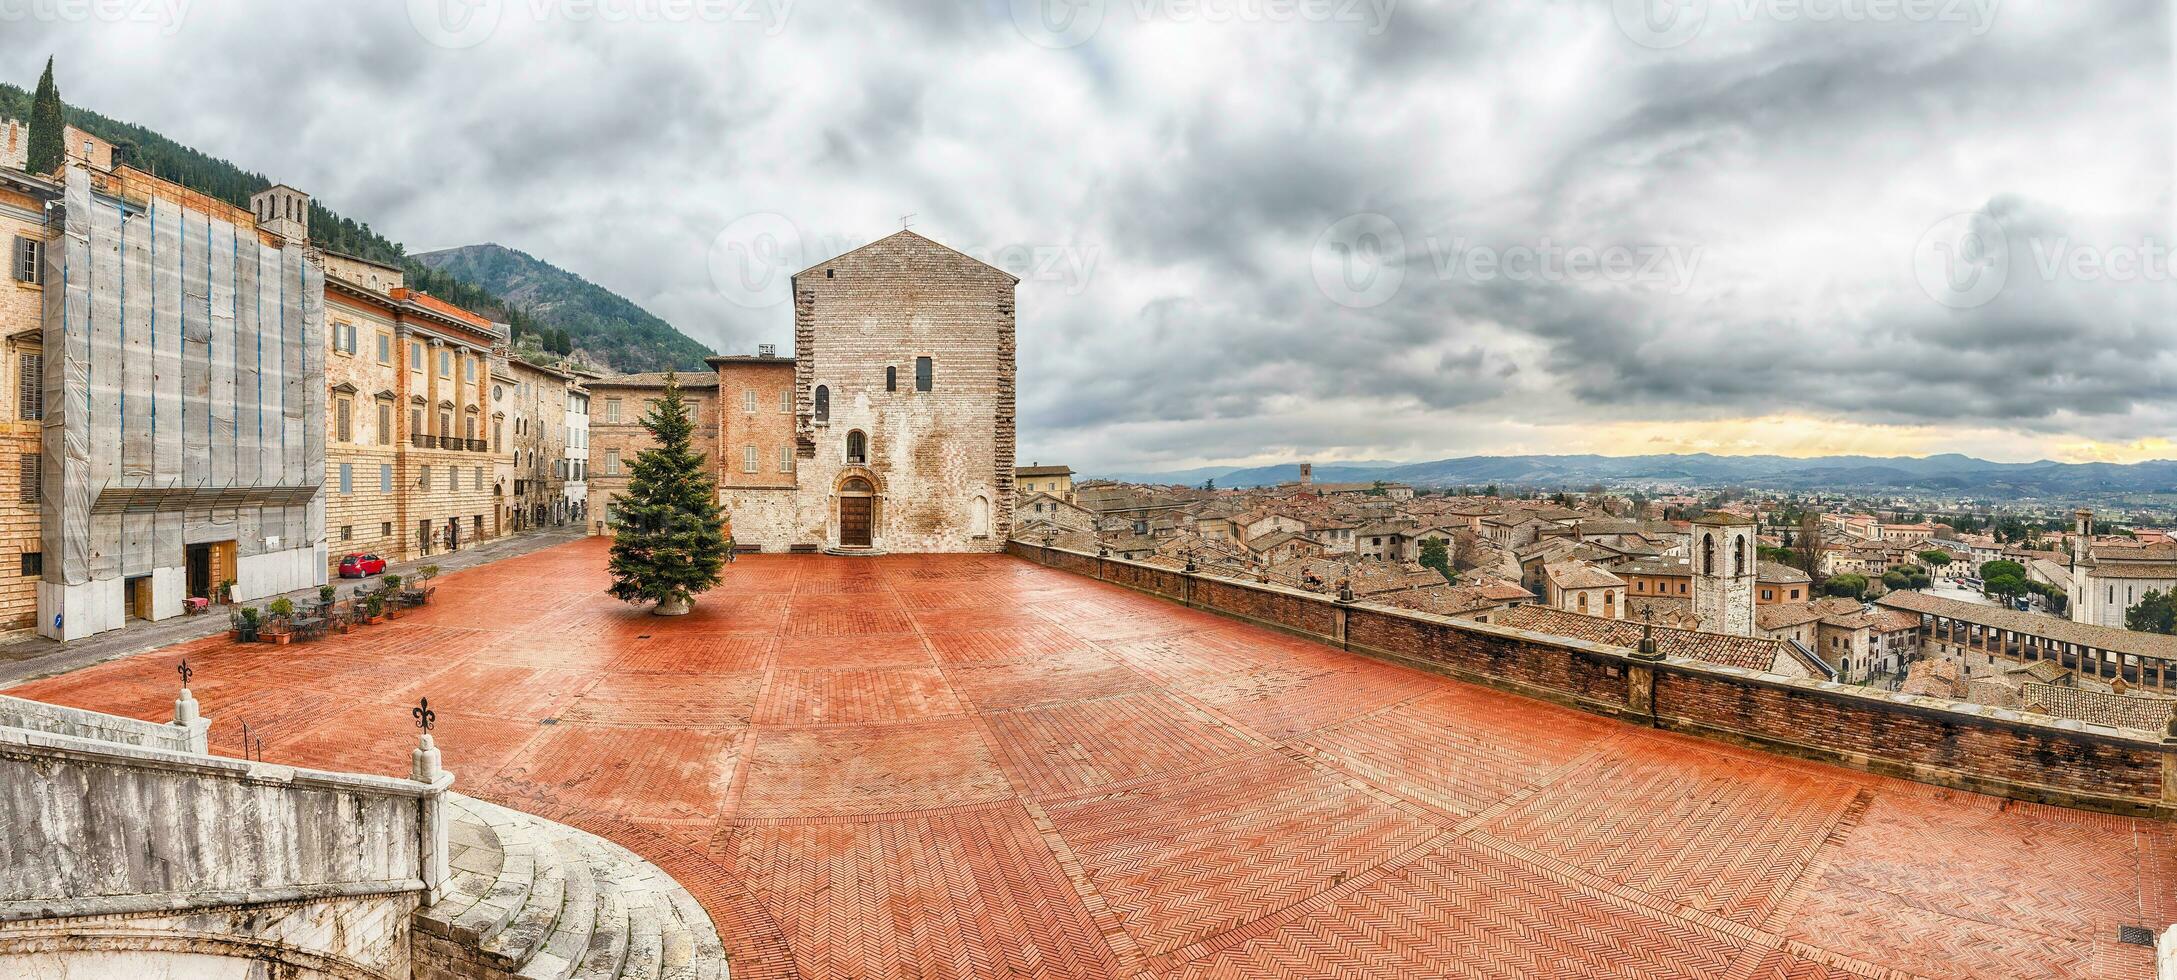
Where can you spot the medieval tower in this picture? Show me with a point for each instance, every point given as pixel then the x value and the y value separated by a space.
pixel 1724 560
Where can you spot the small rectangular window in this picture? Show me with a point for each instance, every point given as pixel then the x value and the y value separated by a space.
pixel 343 420
pixel 453 478
pixel 479 478
pixel 612 462
pixel 385 348
pixel 748 459
pixel 32 474
pixel 423 476
pixel 30 387
pixel 385 478
pixel 347 532
pixel 786 459
pixel 786 402
pixel 33 563
pixel 415 356
pixel 612 410
pixel 748 400
pixel 347 478
pixel 923 372
pixel 385 530
pixel 445 364
pixel 385 423
pixel 28 255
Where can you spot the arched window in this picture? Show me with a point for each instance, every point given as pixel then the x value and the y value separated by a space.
pixel 1738 556
pixel 857 447
pixel 891 378
pixel 856 487
pixel 823 404
pixel 1708 554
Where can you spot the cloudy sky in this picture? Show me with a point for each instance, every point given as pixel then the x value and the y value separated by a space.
pixel 1260 230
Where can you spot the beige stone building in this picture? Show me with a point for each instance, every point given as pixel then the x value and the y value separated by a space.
pixel 22 389
pixel 536 425
pixel 1037 478
pixel 416 444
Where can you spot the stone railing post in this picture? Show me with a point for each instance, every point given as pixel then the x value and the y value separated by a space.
pixel 1640 675
pixel 432 817
pixel 196 729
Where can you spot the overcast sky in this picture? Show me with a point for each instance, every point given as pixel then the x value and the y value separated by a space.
pixel 1260 230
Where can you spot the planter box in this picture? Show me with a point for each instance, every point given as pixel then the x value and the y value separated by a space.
pixel 282 639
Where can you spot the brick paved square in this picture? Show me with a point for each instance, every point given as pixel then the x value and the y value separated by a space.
pixel 921 766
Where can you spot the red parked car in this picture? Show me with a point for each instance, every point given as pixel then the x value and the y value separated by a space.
pixel 358 566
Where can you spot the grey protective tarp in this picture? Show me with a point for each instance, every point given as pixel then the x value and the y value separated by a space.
pixel 185 372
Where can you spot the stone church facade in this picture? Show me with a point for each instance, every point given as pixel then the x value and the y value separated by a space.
pixel 895 429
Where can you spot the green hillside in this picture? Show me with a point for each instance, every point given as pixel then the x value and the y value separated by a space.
pixel 595 324
pixel 600 322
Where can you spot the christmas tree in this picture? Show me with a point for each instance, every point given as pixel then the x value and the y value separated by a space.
pixel 670 538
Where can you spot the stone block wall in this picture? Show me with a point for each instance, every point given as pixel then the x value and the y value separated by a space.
pixel 1931 740
pixel 941 460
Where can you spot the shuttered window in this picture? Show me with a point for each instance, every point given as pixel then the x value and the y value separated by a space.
pixel 385 479
pixel 347 478
pixel 33 477
pixel 923 372
pixel 344 420
pixel 30 387
pixel 28 252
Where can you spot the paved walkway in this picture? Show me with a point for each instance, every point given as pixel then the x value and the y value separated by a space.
pixel 37 656
pixel 921 766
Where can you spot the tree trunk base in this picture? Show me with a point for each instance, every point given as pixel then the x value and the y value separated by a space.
pixel 675 606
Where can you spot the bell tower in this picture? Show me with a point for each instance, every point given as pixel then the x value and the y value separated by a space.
pixel 1724 560
pixel 283 211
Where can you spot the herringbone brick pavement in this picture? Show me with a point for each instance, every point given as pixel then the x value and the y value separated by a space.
pixel 957 766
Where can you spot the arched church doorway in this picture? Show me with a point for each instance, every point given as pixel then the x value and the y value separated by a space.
pixel 857 509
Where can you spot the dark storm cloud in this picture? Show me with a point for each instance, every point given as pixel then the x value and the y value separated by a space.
pixel 1182 175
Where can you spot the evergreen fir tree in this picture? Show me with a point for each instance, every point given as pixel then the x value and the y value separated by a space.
pixel 46 149
pixel 671 538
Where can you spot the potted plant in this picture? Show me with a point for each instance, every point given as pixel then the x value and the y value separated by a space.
pixel 392 594
pixel 226 592
pixel 283 611
pixel 251 621
pixel 325 594
pixel 374 607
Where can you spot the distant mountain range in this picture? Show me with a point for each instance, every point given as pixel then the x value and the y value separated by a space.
pixel 601 323
pixel 1948 474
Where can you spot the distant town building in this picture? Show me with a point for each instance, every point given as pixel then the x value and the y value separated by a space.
pixel 1054 480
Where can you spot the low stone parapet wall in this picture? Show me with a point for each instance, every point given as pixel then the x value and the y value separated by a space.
pixel 1932 740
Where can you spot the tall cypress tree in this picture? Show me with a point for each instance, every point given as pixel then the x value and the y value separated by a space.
pixel 46 150
pixel 670 540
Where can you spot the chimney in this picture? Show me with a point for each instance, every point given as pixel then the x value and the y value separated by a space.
pixel 767 350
